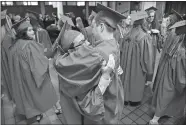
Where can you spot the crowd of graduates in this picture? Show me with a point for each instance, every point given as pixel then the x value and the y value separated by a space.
pixel 89 69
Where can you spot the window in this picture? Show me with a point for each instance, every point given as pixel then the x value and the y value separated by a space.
pixel 25 3
pixel 7 3
pixel 50 3
pixel 34 3
pixel 30 3
pixel 71 3
pixel 3 3
pixel 80 3
pixel 92 3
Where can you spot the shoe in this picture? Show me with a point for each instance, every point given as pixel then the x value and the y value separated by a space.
pixel 39 117
pixel 134 104
pixel 58 111
pixel 126 103
pixel 153 122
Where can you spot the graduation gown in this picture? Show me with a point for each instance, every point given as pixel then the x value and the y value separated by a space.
pixel 156 41
pixel 167 44
pixel 170 82
pixel 123 49
pixel 137 63
pixel 33 90
pixel 5 60
pixel 79 75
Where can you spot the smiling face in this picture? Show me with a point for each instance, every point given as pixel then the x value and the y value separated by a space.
pixel 128 20
pixel 30 32
pixel 151 16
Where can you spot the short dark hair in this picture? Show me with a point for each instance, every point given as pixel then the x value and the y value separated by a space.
pixel 107 19
pixel 23 35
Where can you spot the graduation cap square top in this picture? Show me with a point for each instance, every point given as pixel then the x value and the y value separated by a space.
pixel 67 19
pixel 21 25
pixel 109 16
pixel 3 14
pixel 178 24
pixel 139 15
pixel 33 14
pixel 151 9
pixel 125 13
pixel 101 7
pixel 178 15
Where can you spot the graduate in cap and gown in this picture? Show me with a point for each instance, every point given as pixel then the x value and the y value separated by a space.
pixel 7 38
pixel 138 60
pixel 152 22
pixel 33 91
pixel 152 27
pixel 85 96
pixel 126 23
pixel 170 82
pixel 170 34
pixel 170 20
pixel 125 29
pixel 42 35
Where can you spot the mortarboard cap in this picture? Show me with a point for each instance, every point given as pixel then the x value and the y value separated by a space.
pixel 112 17
pixel 104 8
pixel 68 19
pixel 30 11
pixel 125 13
pixel 138 16
pixel 174 17
pixel 178 24
pixel 151 9
pixel 33 14
pixel 22 24
pixel 178 15
pixel 3 14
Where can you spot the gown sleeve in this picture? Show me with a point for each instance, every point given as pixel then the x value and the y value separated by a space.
pixel 79 75
pixel 92 104
pixel 37 61
pixel 79 70
pixel 180 70
pixel 147 55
